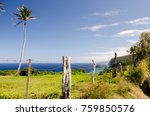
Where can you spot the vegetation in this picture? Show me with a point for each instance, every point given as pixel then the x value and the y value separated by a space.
pixel 24 72
pixel 1 7
pixel 124 60
pixel 23 16
pixel 78 71
pixel 106 70
pixel 141 50
pixel 49 87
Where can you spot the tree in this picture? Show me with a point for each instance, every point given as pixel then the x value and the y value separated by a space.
pixel 23 16
pixel 141 50
pixel 1 7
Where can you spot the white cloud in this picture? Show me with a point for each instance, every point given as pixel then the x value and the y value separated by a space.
pixel 131 33
pixel 139 21
pixel 103 56
pixel 132 42
pixel 111 13
pixel 95 28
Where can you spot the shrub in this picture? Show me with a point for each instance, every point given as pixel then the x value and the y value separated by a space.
pixel 137 74
pixel 101 91
pixel 78 71
pixel 24 72
pixel 106 70
pixel 123 87
pixel 7 72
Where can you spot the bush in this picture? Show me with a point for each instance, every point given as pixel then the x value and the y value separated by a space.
pixel 137 74
pixel 78 71
pixel 101 91
pixel 24 72
pixel 7 72
pixel 123 87
pixel 106 70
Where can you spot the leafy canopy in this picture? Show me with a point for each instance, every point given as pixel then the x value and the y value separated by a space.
pixel 141 50
pixel 24 14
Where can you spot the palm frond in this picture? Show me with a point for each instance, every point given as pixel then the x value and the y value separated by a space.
pixel 1 8
pixel 24 14
pixel 32 18
pixel 19 23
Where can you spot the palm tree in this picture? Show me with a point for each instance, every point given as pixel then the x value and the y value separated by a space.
pixel 1 7
pixel 23 16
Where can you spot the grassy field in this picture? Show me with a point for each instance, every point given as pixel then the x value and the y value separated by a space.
pixel 49 87
pixel 46 86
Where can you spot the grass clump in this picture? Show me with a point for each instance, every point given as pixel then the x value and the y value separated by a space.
pixel 99 91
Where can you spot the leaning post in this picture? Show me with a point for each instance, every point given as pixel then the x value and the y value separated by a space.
pixel 93 70
pixel 28 79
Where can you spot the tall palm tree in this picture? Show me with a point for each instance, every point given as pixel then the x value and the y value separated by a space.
pixel 1 7
pixel 23 16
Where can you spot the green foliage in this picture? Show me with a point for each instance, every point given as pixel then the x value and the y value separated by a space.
pixel 137 74
pixel 124 60
pixel 24 72
pixel 24 14
pixel 49 73
pixel 141 50
pixel 99 91
pixel 1 7
pixel 123 88
pixel 106 70
pixel 7 72
pixel 54 95
pixel 78 71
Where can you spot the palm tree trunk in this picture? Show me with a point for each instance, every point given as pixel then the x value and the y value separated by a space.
pixel 23 47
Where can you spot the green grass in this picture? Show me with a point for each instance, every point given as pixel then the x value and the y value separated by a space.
pixel 49 87
pixel 46 86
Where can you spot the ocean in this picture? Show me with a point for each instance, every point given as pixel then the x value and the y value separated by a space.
pixel 54 67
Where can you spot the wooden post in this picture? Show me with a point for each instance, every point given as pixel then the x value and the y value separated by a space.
pixel 121 70
pixel 28 79
pixel 66 80
pixel 114 67
pixel 93 70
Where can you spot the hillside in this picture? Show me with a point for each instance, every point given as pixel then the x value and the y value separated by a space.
pixel 125 60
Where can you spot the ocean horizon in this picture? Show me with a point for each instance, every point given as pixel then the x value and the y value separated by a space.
pixel 54 67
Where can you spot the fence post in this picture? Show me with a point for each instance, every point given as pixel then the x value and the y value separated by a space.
pixel 93 70
pixel 28 79
pixel 121 69
pixel 66 80
pixel 114 66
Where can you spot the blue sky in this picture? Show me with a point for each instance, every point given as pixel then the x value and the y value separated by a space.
pixel 82 29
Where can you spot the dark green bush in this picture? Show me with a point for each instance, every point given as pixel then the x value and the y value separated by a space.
pixel 78 71
pixel 137 74
pixel 106 70
pixel 7 72
pixel 24 72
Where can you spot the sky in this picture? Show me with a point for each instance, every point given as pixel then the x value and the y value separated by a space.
pixel 81 29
